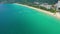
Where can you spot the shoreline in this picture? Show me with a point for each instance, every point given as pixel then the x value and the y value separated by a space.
pixel 57 15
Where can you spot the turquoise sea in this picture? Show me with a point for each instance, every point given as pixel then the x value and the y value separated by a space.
pixel 17 19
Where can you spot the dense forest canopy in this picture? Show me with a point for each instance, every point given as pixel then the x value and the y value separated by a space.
pixel 31 1
pixel 40 1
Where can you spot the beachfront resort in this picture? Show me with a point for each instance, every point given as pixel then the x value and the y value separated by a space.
pixel 53 8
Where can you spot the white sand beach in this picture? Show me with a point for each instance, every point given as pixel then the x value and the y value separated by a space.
pixel 57 15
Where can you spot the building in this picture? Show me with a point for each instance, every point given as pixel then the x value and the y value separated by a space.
pixel 37 3
pixel 58 6
pixel 46 5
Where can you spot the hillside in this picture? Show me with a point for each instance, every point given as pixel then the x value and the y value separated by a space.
pixel 31 1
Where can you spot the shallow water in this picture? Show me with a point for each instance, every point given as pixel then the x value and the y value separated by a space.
pixel 15 19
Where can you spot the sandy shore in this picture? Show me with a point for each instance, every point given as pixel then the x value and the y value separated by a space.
pixel 57 15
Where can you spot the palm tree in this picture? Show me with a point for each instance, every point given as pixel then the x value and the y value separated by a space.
pixel 25 1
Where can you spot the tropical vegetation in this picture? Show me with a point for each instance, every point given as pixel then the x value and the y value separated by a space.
pixel 31 3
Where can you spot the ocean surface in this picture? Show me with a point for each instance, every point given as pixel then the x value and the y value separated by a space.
pixel 17 19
